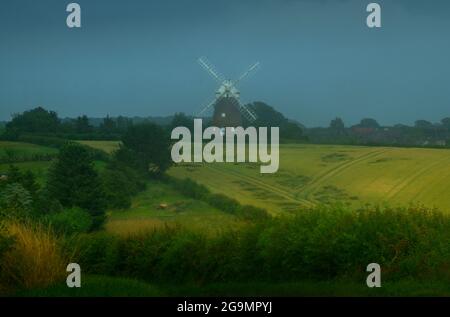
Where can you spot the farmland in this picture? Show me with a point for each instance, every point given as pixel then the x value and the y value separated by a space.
pixel 168 238
pixel 106 146
pixel 308 175
pixel 314 174
pixel 145 213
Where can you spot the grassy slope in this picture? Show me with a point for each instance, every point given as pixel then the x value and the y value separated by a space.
pixel 321 173
pixel 25 148
pixel 145 213
pixel 107 146
pixel 38 168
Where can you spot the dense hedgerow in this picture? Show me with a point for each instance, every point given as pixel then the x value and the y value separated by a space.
pixel 58 143
pixel 322 243
pixel 192 189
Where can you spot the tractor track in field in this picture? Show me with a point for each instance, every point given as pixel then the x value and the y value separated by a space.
pixel 397 189
pixel 252 180
pixel 311 187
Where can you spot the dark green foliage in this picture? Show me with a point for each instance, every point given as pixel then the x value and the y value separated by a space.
pixel 82 125
pixel 99 252
pixel 120 185
pixel 197 191
pixel 15 202
pixel 181 120
pixel 321 244
pixel 37 120
pixel 190 188
pixel 267 116
pixel 369 123
pixel 122 178
pixel 46 204
pixel 423 124
pixel 223 203
pixel 26 179
pixel 108 125
pixel 127 157
pixel 70 221
pixel 446 123
pixel 337 124
pixel 18 194
pixel 73 181
pixel 151 144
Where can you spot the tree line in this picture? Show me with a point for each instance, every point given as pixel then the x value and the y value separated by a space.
pixel 42 122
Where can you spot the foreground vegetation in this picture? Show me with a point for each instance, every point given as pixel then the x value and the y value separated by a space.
pixel 330 246
pixel 100 286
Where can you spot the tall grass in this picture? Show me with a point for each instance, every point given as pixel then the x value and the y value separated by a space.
pixel 34 260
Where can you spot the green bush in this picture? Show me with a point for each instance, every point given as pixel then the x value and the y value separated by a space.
pixel 98 253
pixel 322 243
pixel 15 202
pixel 70 221
pixel 120 184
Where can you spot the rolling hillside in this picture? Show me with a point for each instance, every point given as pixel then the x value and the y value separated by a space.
pixel 311 174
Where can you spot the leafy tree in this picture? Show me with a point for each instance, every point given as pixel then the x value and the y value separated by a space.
pixel 74 182
pixel 181 120
pixel 37 120
pixel 267 116
pixel 15 202
pixel 150 143
pixel 446 122
pixel 70 221
pixel 108 125
pixel 423 124
pixel 26 179
pixel 123 123
pixel 82 125
pixel 369 123
pixel 337 124
pixel 291 130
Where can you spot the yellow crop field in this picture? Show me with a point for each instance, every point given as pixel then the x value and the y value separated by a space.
pixel 313 174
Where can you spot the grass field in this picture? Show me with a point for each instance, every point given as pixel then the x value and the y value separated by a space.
pixel 24 148
pixel 312 174
pixel 145 213
pixel 39 168
pixel 107 146
pixel 308 174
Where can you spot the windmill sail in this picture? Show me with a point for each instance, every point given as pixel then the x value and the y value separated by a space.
pixel 228 108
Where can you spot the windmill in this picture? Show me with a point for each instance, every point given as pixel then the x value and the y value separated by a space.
pixel 228 108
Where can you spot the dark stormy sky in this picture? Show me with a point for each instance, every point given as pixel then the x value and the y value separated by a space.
pixel 138 57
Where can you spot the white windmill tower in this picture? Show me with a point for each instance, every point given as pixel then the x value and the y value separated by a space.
pixel 228 108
